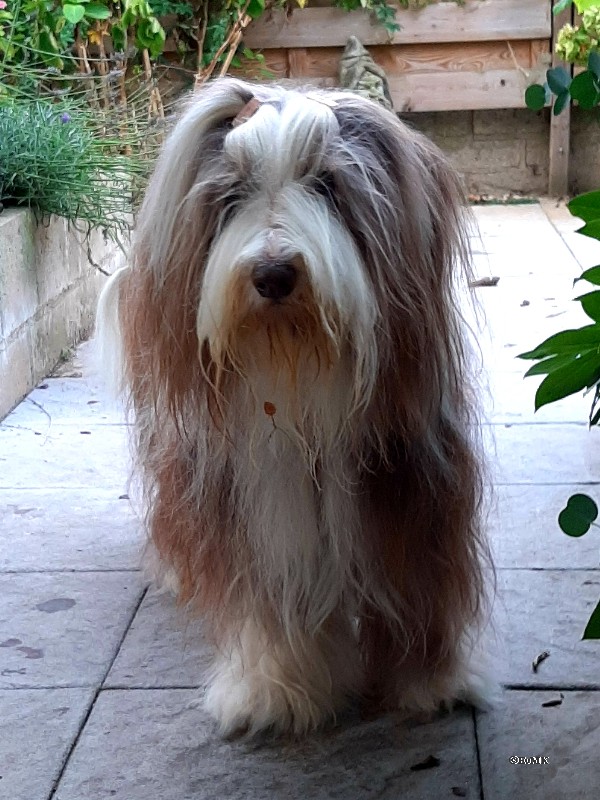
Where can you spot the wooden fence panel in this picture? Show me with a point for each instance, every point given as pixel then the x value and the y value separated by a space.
pixel 476 21
pixel 445 57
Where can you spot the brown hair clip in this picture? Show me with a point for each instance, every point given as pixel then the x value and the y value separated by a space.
pixel 247 111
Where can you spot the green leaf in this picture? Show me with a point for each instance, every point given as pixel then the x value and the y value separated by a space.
pixel 96 11
pixel 591 275
pixel 117 34
pixel 578 515
pixel 584 89
pixel 590 303
pixel 586 206
pixel 591 229
pixel 255 8
pixel 594 62
pixel 535 97
pixel 558 79
pixel 584 5
pixel 74 13
pixel 570 341
pixel 561 6
pixel 580 374
pixel 572 524
pixel 592 629
pixel 561 102
pixel 548 365
pixel 584 506
pixel 48 47
pixel 150 35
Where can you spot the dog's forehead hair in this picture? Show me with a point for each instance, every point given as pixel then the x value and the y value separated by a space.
pixel 284 136
pixel 276 139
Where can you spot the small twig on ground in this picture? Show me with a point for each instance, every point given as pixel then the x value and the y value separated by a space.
pixel 492 281
pixel 539 660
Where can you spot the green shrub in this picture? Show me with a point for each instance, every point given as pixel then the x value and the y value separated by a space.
pixel 63 158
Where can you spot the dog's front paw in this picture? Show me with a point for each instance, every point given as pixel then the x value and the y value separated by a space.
pixel 248 701
pixel 468 680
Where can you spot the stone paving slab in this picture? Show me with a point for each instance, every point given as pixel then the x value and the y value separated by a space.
pixel 39 727
pixel 559 215
pixel 584 249
pixel 163 647
pixel 66 401
pixel 151 740
pixel 521 215
pixel 503 349
pixel 547 610
pixel 524 531
pixel 567 734
pixel 527 326
pixel 63 629
pixel 68 529
pixel 510 398
pixel 545 453
pixel 90 457
pixel 531 252
pixel 154 744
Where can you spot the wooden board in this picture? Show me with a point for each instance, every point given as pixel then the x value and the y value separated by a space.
pixel 454 91
pixel 458 91
pixel 478 20
pixel 396 59
pixel 440 77
pixel 560 127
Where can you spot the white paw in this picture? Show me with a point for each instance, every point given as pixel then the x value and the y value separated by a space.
pixel 470 681
pixel 252 700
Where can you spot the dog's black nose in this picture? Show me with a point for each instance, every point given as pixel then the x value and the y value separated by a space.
pixel 274 281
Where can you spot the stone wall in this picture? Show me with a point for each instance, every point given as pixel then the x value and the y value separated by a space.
pixel 507 151
pixel 48 295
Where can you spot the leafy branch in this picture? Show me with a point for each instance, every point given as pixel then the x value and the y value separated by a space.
pixel 570 362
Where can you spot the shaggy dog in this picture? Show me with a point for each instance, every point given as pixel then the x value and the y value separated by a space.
pixel 289 340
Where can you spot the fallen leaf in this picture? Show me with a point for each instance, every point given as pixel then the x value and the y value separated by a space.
pixel 552 703
pixel 429 763
pixel 492 281
pixel 539 659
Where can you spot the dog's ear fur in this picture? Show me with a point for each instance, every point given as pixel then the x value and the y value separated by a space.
pixel 405 207
pixel 177 223
pixel 422 477
pixel 183 170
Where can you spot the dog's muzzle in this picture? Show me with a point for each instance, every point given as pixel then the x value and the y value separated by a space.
pixel 274 281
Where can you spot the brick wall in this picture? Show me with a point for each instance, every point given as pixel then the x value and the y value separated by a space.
pixel 506 151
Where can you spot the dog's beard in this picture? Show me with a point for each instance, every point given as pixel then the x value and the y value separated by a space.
pixel 299 367
pixel 289 377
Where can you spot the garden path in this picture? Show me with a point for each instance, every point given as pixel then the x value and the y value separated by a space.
pixel 97 672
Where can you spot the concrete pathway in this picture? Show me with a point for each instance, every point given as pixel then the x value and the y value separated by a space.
pixel 98 674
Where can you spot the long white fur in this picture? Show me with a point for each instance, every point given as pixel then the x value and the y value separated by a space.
pixel 109 345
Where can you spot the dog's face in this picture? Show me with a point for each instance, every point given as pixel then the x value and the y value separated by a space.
pixel 300 235
pixel 285 288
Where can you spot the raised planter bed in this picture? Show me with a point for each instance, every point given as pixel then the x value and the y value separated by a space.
pixel 48 296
